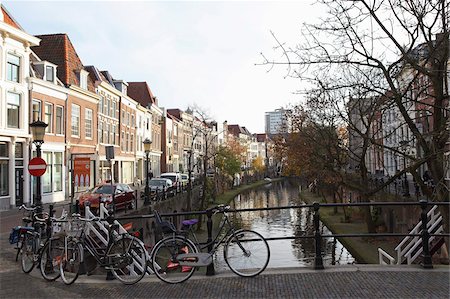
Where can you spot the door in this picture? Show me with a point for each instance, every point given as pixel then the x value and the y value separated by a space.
pixel 19 186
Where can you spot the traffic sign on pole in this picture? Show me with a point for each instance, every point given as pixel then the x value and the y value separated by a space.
pixel 37 166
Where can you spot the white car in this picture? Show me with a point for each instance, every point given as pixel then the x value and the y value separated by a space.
pixel 175 177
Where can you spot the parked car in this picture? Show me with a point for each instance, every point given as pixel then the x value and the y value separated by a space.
pixel 123 196
pixel 175 177
pixel 160 185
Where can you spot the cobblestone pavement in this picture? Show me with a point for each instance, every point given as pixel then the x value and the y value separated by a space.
pixel 356 281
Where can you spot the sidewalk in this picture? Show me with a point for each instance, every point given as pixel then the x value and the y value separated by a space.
pixel 355 281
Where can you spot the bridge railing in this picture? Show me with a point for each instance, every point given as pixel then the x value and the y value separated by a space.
pixel 423 234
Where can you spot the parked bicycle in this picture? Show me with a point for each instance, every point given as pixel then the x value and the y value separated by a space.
pixel 39 246
pixel 124 255
pixel 246 252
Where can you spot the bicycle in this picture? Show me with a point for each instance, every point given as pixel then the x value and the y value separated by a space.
pixel 124 255
pixel 34 251
pixel 246 252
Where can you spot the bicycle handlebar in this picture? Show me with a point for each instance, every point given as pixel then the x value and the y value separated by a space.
pixel 78 217
pixel 27 209
pixel 219 209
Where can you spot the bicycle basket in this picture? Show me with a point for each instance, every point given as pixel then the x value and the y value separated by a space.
pixel 73 227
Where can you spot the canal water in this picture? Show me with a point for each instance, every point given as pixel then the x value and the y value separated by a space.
pixel 285 223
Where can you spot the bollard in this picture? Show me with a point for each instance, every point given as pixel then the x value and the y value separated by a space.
pixel 210 269
pixel 318 261
pixel 427 262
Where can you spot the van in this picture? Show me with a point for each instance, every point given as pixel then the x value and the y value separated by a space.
pixel 175 177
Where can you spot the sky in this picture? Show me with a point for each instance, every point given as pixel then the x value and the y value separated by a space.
pixel 190 53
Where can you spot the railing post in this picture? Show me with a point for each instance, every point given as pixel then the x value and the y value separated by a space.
pixel 318 261
pixel 427 263
pixel 210 269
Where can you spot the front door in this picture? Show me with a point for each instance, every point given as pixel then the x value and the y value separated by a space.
pixel 19 186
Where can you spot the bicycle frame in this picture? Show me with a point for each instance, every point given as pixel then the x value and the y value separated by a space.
pixel 224 222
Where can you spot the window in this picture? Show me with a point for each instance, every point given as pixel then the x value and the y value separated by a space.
pixel 49 73
pixel 59 120
pixel 47 177
pixel 131 143
pixel 112 138
pixel 100 132
pixel 106 134
pixel 75 120
pixel 88 123
pixel 58 172
pixel 113 114
pixel 128 118
pixel 112 110
pixel 83 79
pixel 108 108
pixel 100 104
pixel 4 173
pixel 13 108
pixel 48 117
pixel 36 110
pixel 122 141
pixel 132 120
pixel 128 143
pixel 13 67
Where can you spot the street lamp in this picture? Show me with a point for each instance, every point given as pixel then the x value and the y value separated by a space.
pixel 38 132
pixel 403 145
pixel 147 144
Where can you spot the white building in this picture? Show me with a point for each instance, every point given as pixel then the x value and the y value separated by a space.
pixel 277 122
pixel 15 139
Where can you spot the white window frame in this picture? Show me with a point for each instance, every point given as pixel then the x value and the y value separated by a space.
pixel 49 122
pixel 15 105
pixel 61 122
pixel 77 118
pixel 8 63
pixel 88 123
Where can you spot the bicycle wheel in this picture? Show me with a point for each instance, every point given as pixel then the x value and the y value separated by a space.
pixel 127 259
pixel 27 253
pixel 247 253
pixel 51 258
pixel 71 259
pixel 165 263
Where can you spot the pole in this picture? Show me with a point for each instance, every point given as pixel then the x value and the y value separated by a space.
pixel 318 261
pixel 147 191
pixel 427 262
pixel 38 182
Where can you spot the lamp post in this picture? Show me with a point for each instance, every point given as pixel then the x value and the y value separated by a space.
pixel 38 132
pixel 147 144
pixel 403 145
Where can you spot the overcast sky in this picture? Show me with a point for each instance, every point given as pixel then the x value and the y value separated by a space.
pixel 188 52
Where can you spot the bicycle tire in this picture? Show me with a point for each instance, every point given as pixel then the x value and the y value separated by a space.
pixel 128 259
pixel 253 260
pixel 27 253
pixel 50 258
pixel 71 260
pixel 164 262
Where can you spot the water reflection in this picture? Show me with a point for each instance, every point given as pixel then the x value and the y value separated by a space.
pixel 286 223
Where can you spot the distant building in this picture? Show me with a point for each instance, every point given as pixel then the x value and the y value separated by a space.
pixel 277 122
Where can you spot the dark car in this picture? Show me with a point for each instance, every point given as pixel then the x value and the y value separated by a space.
pixel 123 196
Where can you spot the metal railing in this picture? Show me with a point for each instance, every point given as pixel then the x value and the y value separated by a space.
pixel 424 235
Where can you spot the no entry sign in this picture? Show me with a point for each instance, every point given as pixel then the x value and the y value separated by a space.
pixel 37 166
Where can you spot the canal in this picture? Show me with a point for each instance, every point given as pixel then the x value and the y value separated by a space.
pixel 285 223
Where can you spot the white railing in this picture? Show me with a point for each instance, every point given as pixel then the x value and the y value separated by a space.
pixel 100 230
pixel 410 247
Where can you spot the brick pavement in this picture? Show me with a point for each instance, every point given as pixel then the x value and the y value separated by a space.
pixel 356 281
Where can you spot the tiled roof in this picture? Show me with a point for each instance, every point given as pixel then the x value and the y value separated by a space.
pixel 261 137
pixel 58 49
pixel 175 112
pixel 141 93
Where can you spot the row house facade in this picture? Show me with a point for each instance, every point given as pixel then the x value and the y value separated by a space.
pixel 150 125
pixel 87 112
pixel 389 129
pixel 15 138
pixel 81 138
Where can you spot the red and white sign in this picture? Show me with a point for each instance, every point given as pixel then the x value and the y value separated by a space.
pixel 37 166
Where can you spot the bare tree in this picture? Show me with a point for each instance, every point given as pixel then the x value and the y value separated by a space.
pixel 395 50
